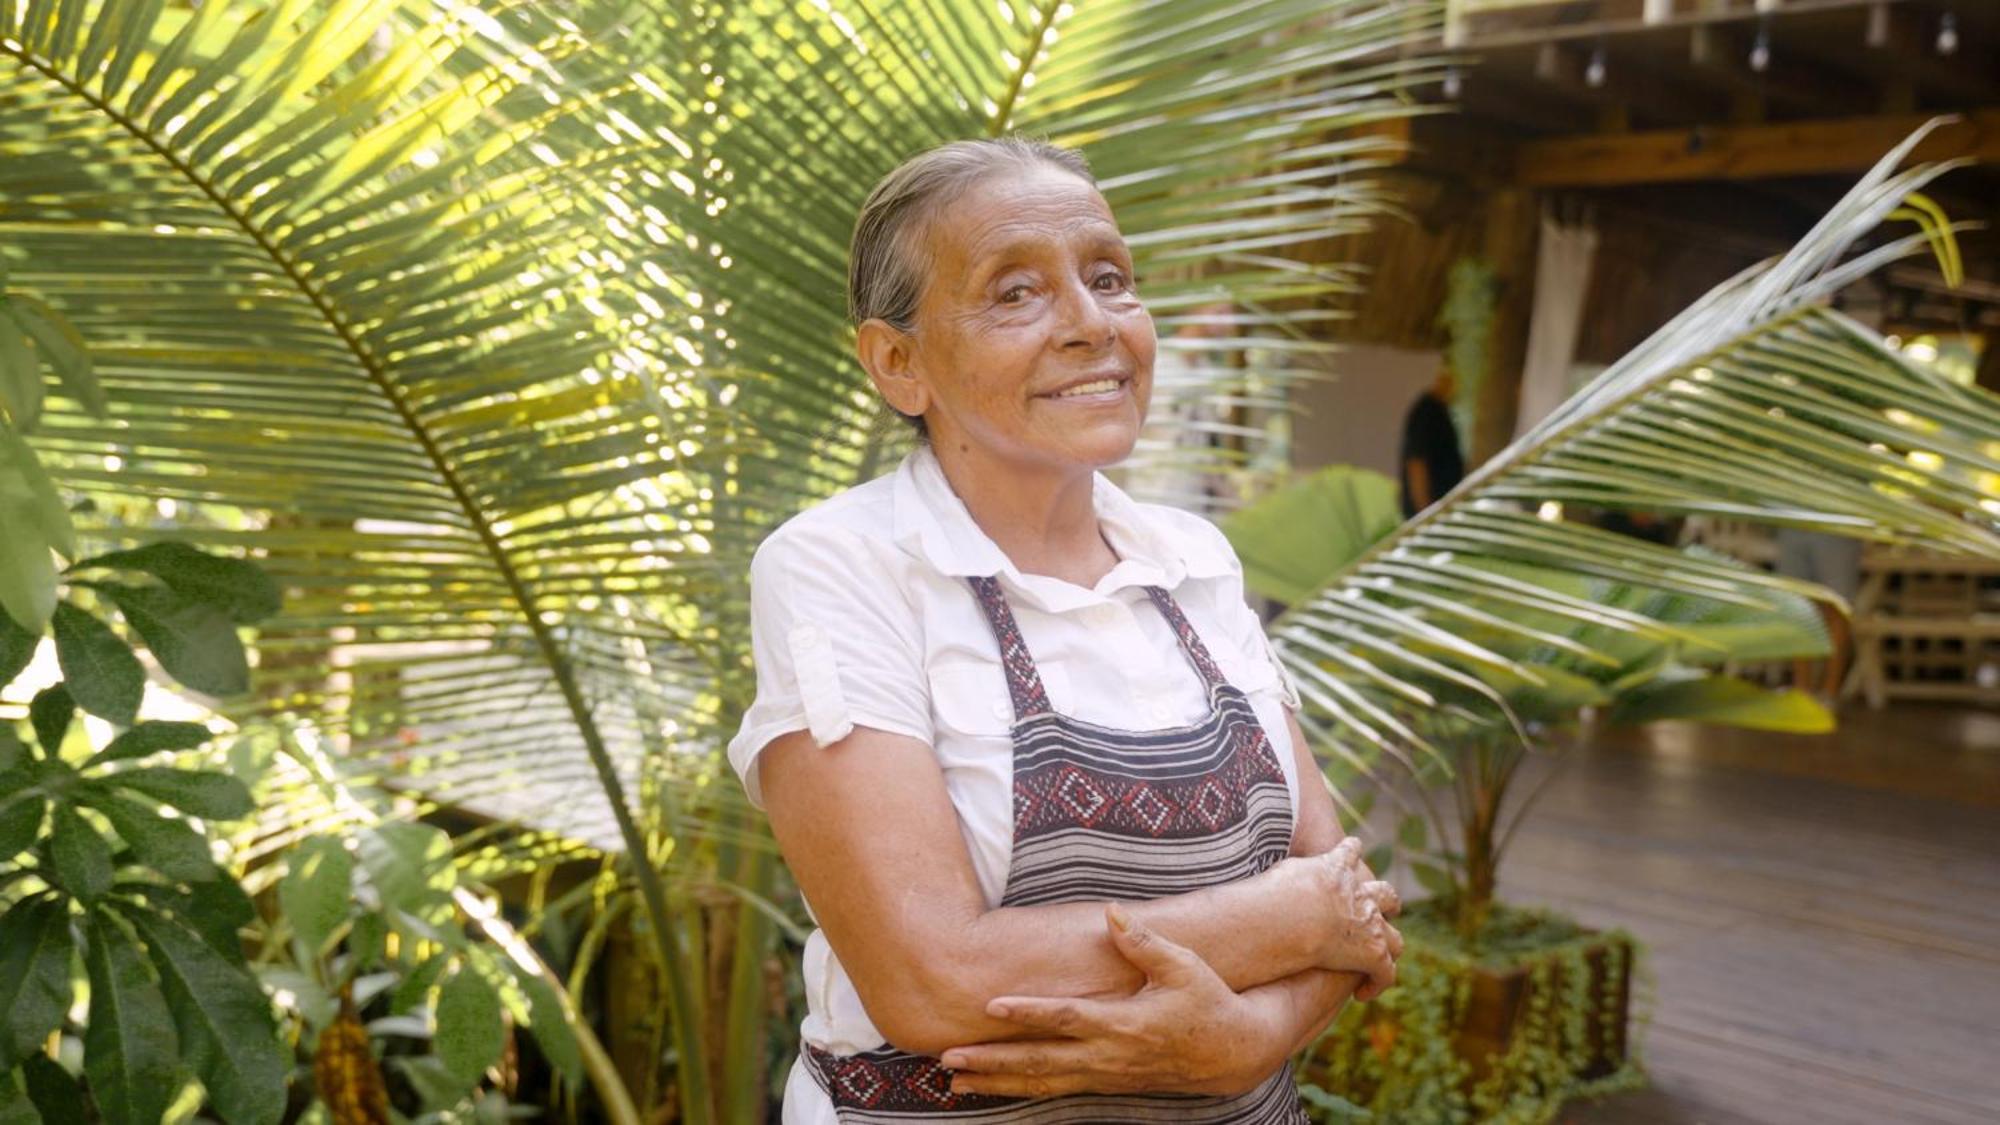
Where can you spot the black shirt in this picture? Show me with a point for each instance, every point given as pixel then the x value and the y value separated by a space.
pixel 1430 437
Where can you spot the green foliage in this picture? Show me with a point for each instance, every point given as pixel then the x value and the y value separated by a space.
pixel 32 334
pixel 1450 646
pixel 35 951
pixel 129 1043
pixel 469 1032
pixel 516 326
pixel 434 985
pixel 1404 1056
pixel 1294 539
pixel 171 998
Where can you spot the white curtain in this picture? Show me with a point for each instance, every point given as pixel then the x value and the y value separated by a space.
pixel 1562 284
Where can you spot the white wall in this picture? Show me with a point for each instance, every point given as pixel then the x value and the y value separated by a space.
pixel 1357 417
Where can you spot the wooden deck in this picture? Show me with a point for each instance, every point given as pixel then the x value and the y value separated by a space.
pixel 1822 914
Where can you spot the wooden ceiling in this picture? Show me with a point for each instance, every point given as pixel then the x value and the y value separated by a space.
pixel 1733 122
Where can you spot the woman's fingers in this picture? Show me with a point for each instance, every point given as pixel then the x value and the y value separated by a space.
pixel 1033 1057
pixel 1075 1017
pixel 1165 963
pixel 1386 897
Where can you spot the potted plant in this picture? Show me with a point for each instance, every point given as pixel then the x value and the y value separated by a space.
pixel 1534 1006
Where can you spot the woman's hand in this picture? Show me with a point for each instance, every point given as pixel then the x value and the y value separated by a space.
pixel 1360 938
pixel 1185 1031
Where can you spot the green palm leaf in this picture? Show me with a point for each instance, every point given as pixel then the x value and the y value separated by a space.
pixel 1759 402
pixel 499 335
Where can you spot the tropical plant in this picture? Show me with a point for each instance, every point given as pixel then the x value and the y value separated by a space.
pixel 1347 510
pixel 1759 402
pixel 1460 815
pixel 1455 817
pixel 381 964
pixel 510 330
pixel 154 920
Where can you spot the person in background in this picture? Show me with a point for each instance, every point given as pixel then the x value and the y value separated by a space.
pixel 1431 463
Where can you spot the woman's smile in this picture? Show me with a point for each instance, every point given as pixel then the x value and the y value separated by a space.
pixel 1092 391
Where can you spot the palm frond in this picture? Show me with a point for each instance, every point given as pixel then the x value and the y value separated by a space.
pixel 1759 402
pixel 500 334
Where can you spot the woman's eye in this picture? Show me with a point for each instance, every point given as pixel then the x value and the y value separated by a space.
pixel 1014 294
pixel 1117 282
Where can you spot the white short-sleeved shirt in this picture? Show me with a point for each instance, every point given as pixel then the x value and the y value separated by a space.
pixel 861 616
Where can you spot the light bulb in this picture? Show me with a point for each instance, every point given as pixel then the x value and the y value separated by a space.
pixel 1947 40
pixel 1760 51
pixel 1593 75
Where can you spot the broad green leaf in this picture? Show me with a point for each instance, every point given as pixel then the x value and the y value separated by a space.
pixel 130 1048
pixel 54 1091
pixel 151 738
pixel 167 846
pixel 1412 833
pixel 217 909
pixel 1294 540
pixel 36 520
pixel 21 387
pixel 1724 701
pixel 64 349
pixel 470 1033
pixel 1775 639
pixel 101 673
pixel 1433 879
pixel 240 589
pixel 202 793
pixel 224 1020
pixel 81 857
pixel 13 752
pixel 17 648
pixel 21 809
pixel 368 941
pixel 409 865
pixel 49 713
pixel 1379 858
pixel 35 950
pixel 551 1027
pixel 318 889
pixel 413 990
pixel 194 641
pixel 15 1107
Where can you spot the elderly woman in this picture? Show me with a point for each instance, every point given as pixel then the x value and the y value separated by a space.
pixel 1020 738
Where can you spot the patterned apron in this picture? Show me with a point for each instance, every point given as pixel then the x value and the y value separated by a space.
pixel 1105 814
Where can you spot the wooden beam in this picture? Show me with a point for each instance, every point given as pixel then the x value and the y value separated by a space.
pixel 1748 152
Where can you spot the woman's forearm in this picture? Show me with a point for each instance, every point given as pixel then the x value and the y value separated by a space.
pixel 1251 932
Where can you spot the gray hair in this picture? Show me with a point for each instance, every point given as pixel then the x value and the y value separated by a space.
pixel 885 276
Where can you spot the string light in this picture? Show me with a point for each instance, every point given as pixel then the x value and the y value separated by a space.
pixel 1593 75
pixel 1454 84
pixel 1760 51
pixel 1947 40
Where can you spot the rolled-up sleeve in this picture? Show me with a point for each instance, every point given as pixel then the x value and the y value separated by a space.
pixel 836 644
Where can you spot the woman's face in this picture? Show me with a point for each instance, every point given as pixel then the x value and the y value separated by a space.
pixel 1031 346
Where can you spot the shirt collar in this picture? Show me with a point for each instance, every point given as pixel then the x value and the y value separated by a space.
pixel 932 522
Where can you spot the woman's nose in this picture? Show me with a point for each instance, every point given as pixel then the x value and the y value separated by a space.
pixel 1085 323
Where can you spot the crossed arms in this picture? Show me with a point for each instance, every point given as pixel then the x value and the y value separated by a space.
pixel 1206 992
